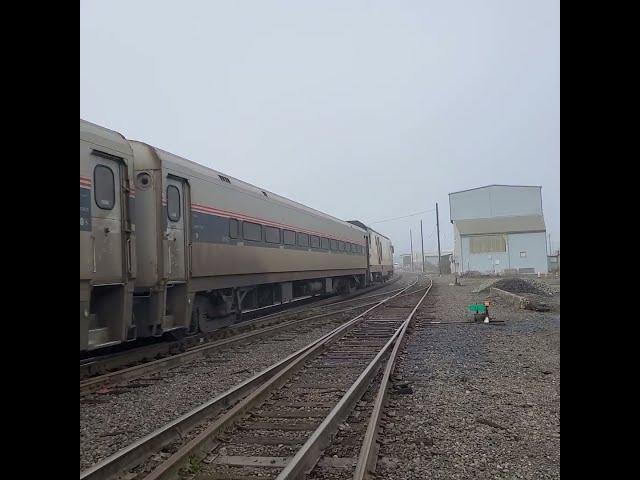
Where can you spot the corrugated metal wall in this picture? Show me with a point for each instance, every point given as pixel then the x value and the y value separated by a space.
pixel 523 251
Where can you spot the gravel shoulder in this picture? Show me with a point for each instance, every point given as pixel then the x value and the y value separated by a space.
pixel 486 398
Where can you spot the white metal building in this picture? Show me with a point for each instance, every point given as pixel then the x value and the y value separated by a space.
pixel 498 229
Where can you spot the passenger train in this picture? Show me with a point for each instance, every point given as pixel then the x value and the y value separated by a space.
pixel 171 246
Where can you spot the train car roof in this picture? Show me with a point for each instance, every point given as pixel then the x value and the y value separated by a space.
pixel 208 171
pixel 365 227
pixel 103 136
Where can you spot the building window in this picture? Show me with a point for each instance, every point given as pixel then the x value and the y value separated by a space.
pixel 315 241
pixel 303 240
pixel 487 243
pixel 252 231
pixel 105 191
pixel 233 228
pixel 324 243
pixel 272 234
pixel 334 244
pixel 341 245
pixel 553 259
pixel 289 237
pixel 173 203
pixel 523 254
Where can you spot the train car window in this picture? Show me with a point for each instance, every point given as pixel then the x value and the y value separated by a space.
pixel 303 239
pixel 289 237
pixel 315 241
pixel 324 243
pixel 272 234
pixel 341 245
pixel 334 244
pixel 173 203
pixel 252 231
pixel 233 228
pixel 105 188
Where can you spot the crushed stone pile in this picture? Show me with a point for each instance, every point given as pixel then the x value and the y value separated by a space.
pixel 517 285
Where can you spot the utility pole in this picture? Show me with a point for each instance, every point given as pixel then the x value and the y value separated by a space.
pixel 438 228
pixel 550 252
pixel 422 241
pixel 411 237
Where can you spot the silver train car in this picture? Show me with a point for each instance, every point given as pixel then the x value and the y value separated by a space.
pixel 205 246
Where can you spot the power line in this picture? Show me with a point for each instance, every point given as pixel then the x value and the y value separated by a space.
pixel 406 216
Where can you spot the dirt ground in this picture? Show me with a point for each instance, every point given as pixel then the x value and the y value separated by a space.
pixel 485 399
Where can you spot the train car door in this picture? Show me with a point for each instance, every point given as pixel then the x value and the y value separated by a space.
pixel 176 233
pixel 110 307
pixel 177 249
pixel 107 219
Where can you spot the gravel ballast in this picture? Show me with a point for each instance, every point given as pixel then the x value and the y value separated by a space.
pixel 111 421
pixel 485 399
pixel 116 417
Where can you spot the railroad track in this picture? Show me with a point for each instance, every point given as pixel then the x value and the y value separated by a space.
pixel 248 331
pixel 94 366
pixel 287 414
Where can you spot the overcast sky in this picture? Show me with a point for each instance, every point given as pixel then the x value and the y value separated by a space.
pixel 362 109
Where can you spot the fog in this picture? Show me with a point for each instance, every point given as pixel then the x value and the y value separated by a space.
pixel 364 110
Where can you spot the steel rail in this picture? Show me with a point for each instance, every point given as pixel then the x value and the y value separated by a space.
pixel 136 371
pixel 369 449
pixel 251 390
pixel 305 459
pixel 204 441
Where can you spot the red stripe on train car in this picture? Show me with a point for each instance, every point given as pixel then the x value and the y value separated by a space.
pixel 227 214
